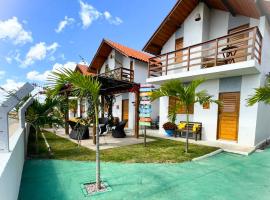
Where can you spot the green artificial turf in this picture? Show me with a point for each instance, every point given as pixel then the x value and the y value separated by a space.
pixel 158 151
pixel 221 177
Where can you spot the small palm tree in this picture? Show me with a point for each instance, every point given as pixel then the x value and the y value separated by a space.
pixel 262 94
pixel 186 95
pixel 40 114
pixel 81 86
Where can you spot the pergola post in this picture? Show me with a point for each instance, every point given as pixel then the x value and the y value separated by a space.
pixel 102 105
pixel 66 115
pixel 137 101
pixel 5 108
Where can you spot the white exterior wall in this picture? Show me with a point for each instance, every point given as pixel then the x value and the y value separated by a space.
pixel 208 117
pixel 253 121
pixel 263 119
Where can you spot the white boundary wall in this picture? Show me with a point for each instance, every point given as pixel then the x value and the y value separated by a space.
pixel 11 165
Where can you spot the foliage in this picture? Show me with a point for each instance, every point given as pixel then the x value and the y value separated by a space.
pixel 186 94
pixel 40 114
pixel 262 94
pixel 169 126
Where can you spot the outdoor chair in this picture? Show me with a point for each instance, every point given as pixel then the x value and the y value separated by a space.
pixel 118 131
pixel 193 133
pixel 78 131
pixel 103 125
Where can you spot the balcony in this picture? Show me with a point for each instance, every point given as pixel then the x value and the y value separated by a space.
pixel 120 73
pixel 217 56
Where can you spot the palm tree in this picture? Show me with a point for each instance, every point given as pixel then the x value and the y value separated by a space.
pixel 186 95
pixel 40 114
pixel 262 94
pixel 81 86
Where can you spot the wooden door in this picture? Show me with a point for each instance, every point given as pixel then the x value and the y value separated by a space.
pixel 241 54
pixel 179 54
pixel 125 110
pixel 228 116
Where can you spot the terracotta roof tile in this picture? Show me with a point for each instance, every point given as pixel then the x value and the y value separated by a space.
pixel 139 55
pixel 84 69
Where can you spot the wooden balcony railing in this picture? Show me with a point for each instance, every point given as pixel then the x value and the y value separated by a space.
pixel 121 73
pixel 236 47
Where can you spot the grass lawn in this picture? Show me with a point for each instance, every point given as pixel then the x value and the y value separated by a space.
pixel 158 151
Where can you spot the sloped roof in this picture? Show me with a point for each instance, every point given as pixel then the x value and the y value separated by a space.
pixel 182 10
pixel 107 46
pixel 84 69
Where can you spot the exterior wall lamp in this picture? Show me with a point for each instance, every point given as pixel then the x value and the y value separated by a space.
pixel 197 17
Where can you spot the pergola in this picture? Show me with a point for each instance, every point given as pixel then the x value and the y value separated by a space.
pixel 111 85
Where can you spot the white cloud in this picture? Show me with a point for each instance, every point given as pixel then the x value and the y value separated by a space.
pixel 37 76
pixel 8 59
pixel 39 52
pixel 13 30
pixel 88 14
pixel 62 24
pixel 111 19
pixel 2 74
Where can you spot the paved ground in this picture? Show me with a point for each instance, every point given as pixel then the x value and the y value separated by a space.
pixel 106 141
pixel 222 177
pixel 228 146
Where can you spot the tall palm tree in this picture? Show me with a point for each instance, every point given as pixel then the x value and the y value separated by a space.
pixel 81 86
pixel 186 95
pixel 262 94
pixel 40 114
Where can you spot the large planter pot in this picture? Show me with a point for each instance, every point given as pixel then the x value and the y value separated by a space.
pixel 169 132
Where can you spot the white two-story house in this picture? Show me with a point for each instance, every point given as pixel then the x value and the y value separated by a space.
pixel 227 44
pixel 126 64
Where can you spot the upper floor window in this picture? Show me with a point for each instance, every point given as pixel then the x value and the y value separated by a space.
pixel 131 67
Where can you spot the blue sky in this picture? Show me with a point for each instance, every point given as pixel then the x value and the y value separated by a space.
pixel 39 35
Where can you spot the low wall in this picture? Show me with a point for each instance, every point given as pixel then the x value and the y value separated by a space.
pixel 11 165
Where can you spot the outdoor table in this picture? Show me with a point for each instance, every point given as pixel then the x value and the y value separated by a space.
pixel 229 54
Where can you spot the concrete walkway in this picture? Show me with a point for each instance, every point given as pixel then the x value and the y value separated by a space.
pixel 227 146
pixel 222 177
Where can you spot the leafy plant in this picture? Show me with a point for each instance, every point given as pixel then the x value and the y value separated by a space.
pixel 186 94
pixel 262 94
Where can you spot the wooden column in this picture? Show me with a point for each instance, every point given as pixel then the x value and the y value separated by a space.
pixel 66 115
pixel 137 101
pixel 103 105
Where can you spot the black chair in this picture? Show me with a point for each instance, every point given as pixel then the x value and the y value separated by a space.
pixel 103 125
pixel 118 131
pixel 78 131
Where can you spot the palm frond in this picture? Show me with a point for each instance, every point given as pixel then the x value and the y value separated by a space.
pixel 262 94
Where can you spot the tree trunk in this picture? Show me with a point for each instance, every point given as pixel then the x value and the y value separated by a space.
pixel 187 133
pixel 97 151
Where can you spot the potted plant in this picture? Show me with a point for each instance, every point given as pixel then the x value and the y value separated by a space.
pixel 169 128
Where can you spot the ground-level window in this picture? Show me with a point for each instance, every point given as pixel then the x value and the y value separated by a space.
pixel 182 109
